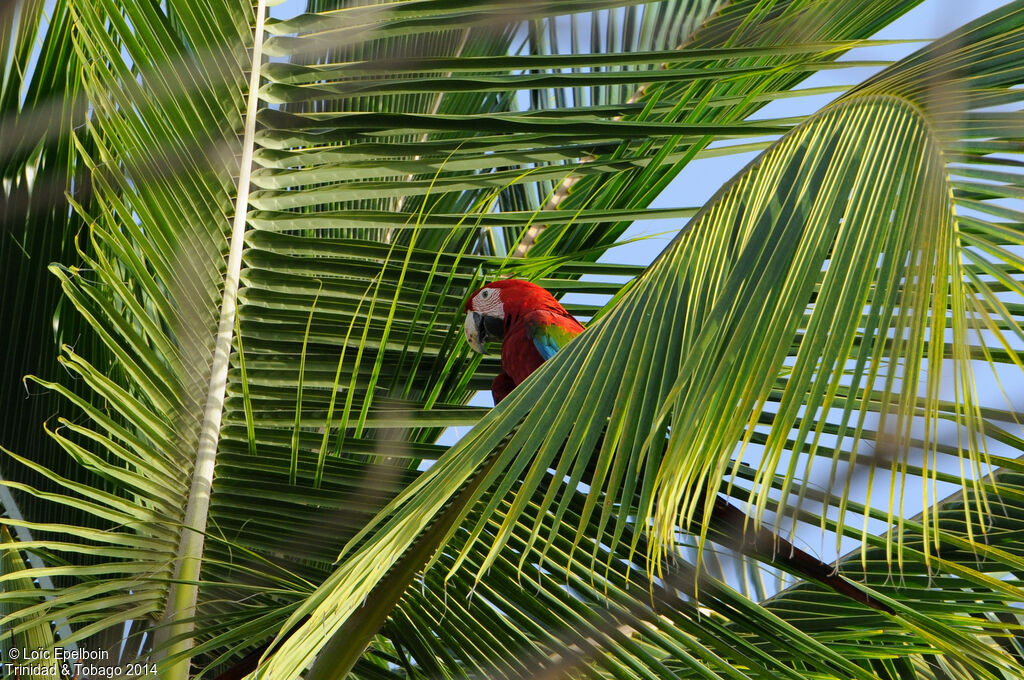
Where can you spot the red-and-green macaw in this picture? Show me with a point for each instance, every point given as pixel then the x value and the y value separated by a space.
pixel 528 321
pixel 532 326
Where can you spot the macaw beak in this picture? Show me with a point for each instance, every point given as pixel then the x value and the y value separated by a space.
pixel 481 328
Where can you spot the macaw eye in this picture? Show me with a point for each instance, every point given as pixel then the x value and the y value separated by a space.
pixel 485 294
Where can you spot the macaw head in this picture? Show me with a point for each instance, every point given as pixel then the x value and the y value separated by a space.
pixel 489 309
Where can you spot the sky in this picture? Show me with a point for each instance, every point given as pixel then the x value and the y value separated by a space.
pixel 698 182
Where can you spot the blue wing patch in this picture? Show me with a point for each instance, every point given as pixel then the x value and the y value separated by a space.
pixel 548 338
pixel 546 345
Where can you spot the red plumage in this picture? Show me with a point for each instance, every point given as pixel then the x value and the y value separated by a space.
pixel 534 326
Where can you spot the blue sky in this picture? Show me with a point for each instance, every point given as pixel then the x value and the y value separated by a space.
pixel 698 182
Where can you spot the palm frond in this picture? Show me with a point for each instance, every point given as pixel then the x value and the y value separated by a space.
pixel 404 153
pixel 865 274
pixel 144 286
pixel 40 101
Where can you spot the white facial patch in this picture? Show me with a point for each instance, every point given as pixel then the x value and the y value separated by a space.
pixel 472 337
pixel 484 319
pixel 488 302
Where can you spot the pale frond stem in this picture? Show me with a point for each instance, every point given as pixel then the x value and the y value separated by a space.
pixel 180 612
pixel 530 237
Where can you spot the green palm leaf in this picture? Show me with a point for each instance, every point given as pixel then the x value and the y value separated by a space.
pixel 691 319
pixel 274 386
